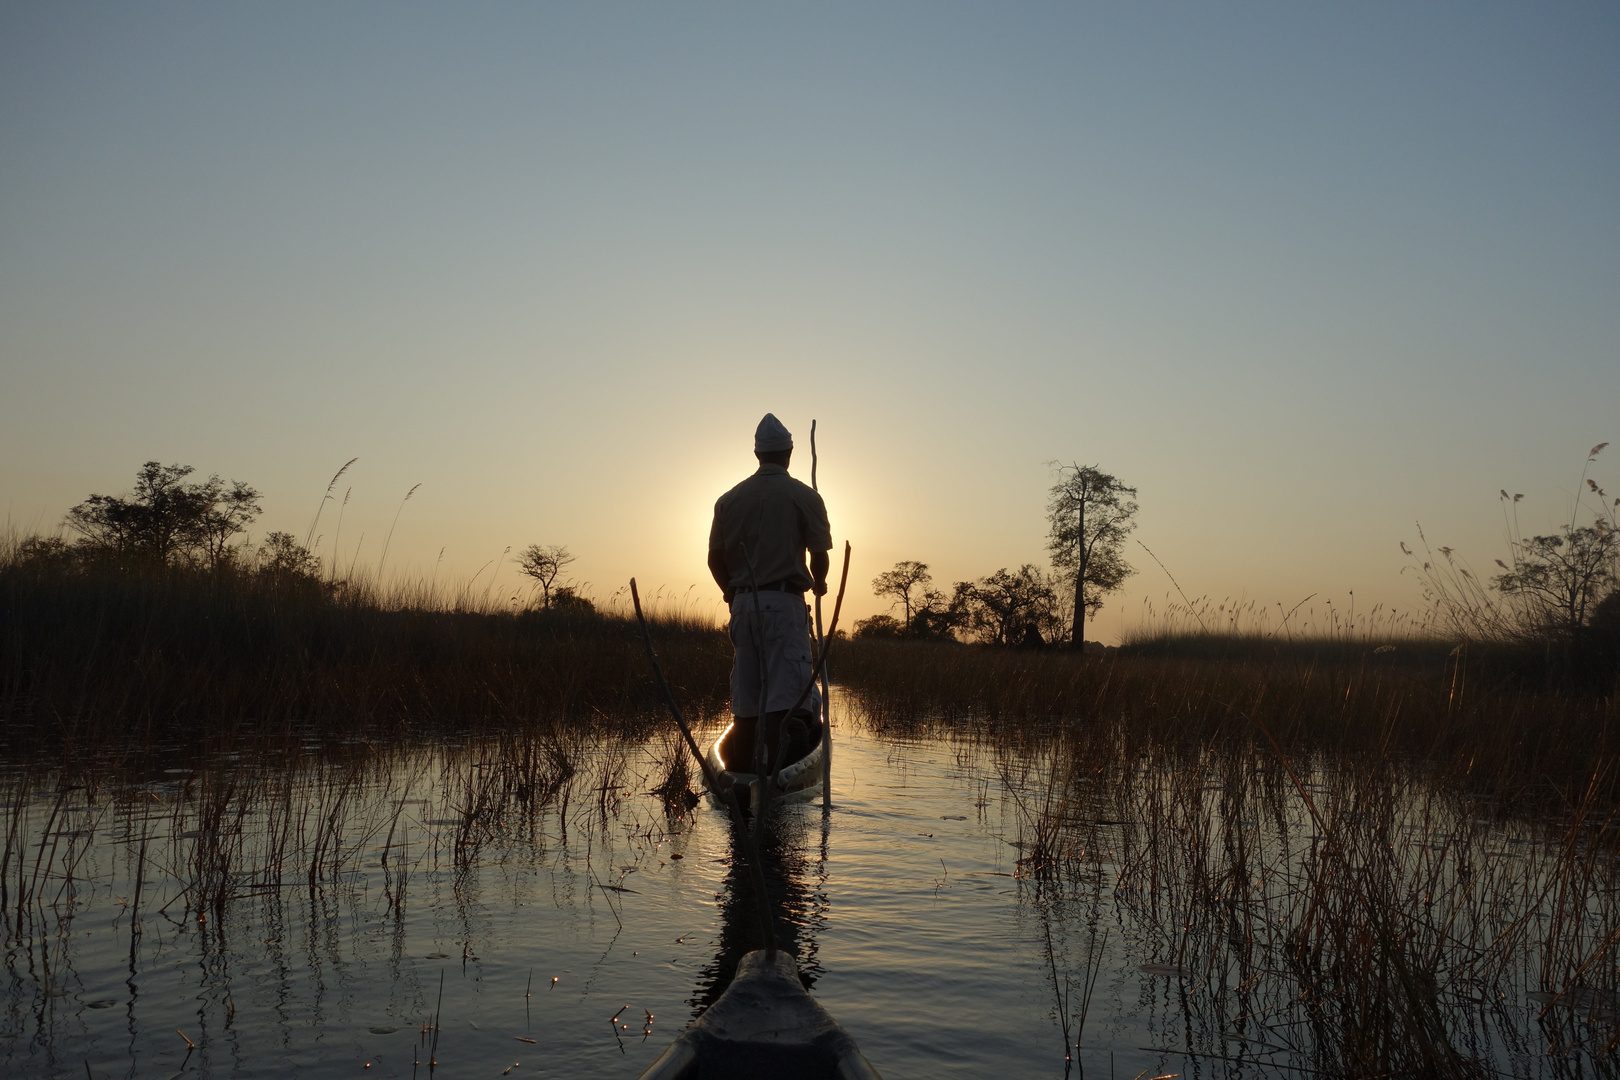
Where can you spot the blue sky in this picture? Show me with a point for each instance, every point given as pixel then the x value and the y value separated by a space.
pixel 1304 275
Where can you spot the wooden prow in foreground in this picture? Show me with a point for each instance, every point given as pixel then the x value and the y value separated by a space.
pixel 764 1025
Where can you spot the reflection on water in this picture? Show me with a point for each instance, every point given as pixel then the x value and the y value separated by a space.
pixel 794 849
pixel 961 912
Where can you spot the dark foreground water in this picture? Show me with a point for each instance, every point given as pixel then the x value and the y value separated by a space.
pixel 577 937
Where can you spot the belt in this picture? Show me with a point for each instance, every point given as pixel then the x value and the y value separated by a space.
pixel 772 586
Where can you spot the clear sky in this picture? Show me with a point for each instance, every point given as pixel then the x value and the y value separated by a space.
pixel 1303 274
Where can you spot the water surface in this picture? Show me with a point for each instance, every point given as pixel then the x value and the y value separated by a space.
pixel 575 931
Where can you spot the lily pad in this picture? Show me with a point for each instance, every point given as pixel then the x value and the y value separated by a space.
pixel 383 1030
pixel 103 1004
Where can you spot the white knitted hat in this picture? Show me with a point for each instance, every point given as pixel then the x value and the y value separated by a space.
pixel 771 436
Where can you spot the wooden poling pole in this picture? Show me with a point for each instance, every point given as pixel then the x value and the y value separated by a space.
pixel 767 925
pixel 826 699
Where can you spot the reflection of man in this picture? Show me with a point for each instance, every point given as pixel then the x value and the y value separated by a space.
pixel 762 529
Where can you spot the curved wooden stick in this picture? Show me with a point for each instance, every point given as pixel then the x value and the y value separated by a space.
pixel 826 695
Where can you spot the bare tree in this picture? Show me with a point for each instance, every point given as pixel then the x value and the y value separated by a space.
pixel 544 564
pixel 1091 513
pixel 907 577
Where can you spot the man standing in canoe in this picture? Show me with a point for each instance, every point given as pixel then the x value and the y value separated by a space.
pixel 762 530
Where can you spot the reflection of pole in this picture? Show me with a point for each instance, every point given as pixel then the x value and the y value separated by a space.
pixel 767 927
pixel 826 701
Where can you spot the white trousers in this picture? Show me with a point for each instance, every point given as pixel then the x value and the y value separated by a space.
pixel 778 630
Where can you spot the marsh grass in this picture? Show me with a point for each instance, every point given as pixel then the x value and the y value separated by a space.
pixel 1351 859
pixel 105 662
pixel 1313 620
pixel 235 838
pixel 1470 723
pixel 1337 914
pixel 1346 857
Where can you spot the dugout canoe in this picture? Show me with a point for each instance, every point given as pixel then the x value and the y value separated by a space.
pixel 799 780
pixel 764 1025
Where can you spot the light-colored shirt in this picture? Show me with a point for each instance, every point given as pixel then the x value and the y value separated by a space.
pixel 776 519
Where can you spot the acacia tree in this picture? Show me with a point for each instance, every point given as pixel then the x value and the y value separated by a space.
pixel 1006 608
pixel 544 564
pixel 166 519
pixel 908 576
pixel 1090 513
pixel 938 617
pixel 1559 580
pixel 1551 588
pixel 282 557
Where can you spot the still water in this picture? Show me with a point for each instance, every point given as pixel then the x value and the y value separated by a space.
pixel 577 939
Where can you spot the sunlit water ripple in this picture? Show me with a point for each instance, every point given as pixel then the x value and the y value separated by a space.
pixel 904 907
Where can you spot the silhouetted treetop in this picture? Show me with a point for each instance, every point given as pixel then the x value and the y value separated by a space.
pixel 1090 513
pixel 167 520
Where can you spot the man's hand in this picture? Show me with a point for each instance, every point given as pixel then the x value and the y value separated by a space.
pixel 819 564
pixel 721 573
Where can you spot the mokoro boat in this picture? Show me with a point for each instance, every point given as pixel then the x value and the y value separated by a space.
pixel 799 780
pixel 764 1025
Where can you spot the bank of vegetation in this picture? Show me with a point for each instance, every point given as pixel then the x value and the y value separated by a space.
pixel 1502 684
pixel 149 620
pixel 149 626
pixel 1343 846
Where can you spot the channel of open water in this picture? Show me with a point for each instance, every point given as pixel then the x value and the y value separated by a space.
pixel 579 939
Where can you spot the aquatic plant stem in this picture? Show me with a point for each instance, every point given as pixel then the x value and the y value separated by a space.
pixel 389 538
pixel 767 925
pixel 324 497
pixel 1429 1026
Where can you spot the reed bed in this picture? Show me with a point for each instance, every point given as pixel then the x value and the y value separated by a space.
pixel 1340 916
pixel 236 839
pixel 1340 858
pixel 1305 912
pixel 103 663
pixel 1468 723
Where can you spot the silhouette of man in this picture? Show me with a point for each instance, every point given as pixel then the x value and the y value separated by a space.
pixel 762 530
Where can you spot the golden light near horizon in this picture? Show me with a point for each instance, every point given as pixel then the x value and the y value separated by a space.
pixel 1018 237
pixel 484 302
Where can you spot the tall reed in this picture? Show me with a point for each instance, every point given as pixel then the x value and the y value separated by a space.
pixel 98 659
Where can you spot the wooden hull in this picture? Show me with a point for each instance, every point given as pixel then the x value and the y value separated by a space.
pixel 800 780
pixel 764 1025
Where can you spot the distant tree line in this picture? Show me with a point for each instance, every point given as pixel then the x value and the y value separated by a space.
pixel 1089 515
pixel 173 522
